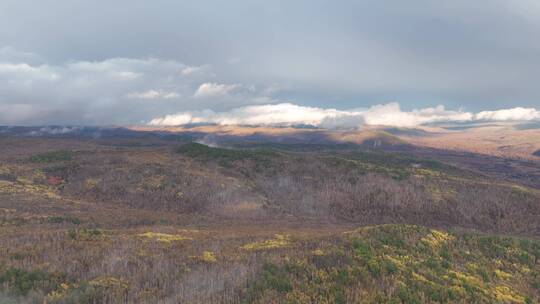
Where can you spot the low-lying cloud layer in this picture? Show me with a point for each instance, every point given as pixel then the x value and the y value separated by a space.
pixel 287 114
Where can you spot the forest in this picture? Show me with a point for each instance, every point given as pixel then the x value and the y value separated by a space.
pixel 177 221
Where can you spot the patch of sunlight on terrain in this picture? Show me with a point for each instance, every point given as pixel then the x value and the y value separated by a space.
pixel 163 237
pixel 278 242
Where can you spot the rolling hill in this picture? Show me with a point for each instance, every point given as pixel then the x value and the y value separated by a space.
pixel 319 216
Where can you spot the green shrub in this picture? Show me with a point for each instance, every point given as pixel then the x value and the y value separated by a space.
pixel 84 294
pixel 275 278
pixel 536 281
pixel 53 156
pixel 225 157
pixel 20 281
pixel 63 219
pixel 271 277
pixel 361 248
pixel 83 234
pixel 374 267
pixel 407 296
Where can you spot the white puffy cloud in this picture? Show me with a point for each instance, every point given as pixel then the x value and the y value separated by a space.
pixel 274 114
pixel 174 120
pixel 153 94
pixel 392 115
pixel 290 114
pixel 514 114
pixel 210 89
pixel 287 114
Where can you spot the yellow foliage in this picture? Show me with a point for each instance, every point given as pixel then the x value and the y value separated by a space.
pixel 525 269
pixel 58 294
pixel 38 175
pixel 5 185
pixel 91 183
pixel 438 194
pixel 55 295
pixel 469 279
pixel 163 237
pixel 427 172
pixel 298 296
pixel 398 261
pixel 155 182
pixel 24 185
pixel 458 290
pixel 437 238
pixel 471 267
pixel 23 180
pixel 521 189
pixel 278 242
pixel 420 278
pixel 321 275
pixel 502 275
pixel 109 282
pixel 318 252
pixel 507 295
pixel 207 257
pixel 4 169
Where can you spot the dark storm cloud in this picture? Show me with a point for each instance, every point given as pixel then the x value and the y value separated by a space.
pixel 118 62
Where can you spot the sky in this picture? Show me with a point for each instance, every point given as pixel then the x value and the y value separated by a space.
pixel 326 63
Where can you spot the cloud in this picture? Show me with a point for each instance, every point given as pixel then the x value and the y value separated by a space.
pixel 392 115
pixel 275 114
pixel 287 114
pixel 85 92
pixel 176 120
pixel 291 114
pixel 153 94
pixel 100 91
pixel 194 70
pixel 514 114
pixel 209 89
pixel 481 54
pixel 25 72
